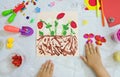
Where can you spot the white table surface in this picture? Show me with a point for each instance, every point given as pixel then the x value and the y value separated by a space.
pixel 64 66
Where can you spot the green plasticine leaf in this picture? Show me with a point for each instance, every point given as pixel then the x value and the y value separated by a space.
pixel 7 12
pixel 11 18
pixel 41 33
pixel 56 23
pixel 65 27
pixel 64 33
pixel 52 33
pixel 48 26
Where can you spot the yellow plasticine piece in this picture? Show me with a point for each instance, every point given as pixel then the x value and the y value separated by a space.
pixel 9 45
pixel 84 22
pixel 10 40
pixel 116 56
pixel 86 2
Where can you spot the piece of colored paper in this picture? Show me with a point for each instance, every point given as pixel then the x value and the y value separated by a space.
pixel 57 34
pixel 91 4
pixel 111 10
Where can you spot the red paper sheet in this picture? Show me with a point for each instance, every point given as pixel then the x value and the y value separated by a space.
pixel 112 9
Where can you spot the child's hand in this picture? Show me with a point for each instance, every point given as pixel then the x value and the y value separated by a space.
pixel 46 69
pixel 92 57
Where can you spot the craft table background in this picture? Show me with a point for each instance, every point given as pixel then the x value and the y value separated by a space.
pixel 64 66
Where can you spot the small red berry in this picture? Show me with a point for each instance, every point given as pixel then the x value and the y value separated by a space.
pixel 73 24
pixel 40 25
pixel 60 15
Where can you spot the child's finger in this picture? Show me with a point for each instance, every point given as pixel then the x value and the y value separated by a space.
pixel 45 66
pixel 41 69
pixel 93 48
pixel 84 59
pixel 90 48
pixel 87 52
pixel 97 50
pixel 51 68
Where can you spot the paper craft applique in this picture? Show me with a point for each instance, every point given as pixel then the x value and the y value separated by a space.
pixel 111 12
pixel 91 4
pixel 89 37
pixel 99 40
pixel 57 34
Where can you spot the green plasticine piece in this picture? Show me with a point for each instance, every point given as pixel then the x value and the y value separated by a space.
pixel 52 33
pixel 64 33
pixel 32 20
pixel 56 23
pixel 7 12
pixel 41 33
pixel 65 27
pixel 48 26
pixel 12 17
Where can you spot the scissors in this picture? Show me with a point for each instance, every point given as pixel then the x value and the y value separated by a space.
pixel 13 12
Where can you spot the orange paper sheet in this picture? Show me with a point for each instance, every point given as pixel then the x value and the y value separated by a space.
pixel 112 10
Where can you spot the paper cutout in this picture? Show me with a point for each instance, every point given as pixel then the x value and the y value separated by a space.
pixel 57 34
pixel 111 10
pixel 91 4
pixel 53 3
pixel 98 38
pixel 89 37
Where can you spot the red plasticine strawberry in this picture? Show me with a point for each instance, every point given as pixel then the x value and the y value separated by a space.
pixel 73 24
pixel 16 60
pixel 40 25
pixel 60 16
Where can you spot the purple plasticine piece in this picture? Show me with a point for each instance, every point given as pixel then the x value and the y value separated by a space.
pixel 118 34
pixel 26 31
pixel 85 36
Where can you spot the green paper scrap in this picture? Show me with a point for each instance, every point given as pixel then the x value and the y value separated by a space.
pixel 32 20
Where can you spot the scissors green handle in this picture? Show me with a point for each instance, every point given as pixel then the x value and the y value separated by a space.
pixel 12 17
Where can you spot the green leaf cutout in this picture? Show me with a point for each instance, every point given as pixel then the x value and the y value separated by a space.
pixel 52 33
pixel 48 26
pixel 65 27
pixel 41 33
pixel 64 33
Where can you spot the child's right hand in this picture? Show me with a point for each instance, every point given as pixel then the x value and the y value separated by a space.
pixel 92 56
pixel 93 60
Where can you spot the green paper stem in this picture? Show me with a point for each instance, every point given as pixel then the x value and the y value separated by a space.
pixel 56 25
pixel 72 32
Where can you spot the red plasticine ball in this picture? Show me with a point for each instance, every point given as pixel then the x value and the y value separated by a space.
pixel 40 25
pixel 16 60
